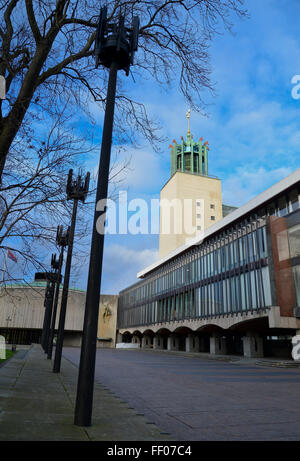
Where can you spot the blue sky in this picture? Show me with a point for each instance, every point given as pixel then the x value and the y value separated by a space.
pixel 252 126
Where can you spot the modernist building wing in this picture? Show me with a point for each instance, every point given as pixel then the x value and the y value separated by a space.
pixel 22 313
pixel 234 288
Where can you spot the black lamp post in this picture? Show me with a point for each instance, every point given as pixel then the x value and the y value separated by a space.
pixel 54 276
pixel 62 241
pixel 114 48
pixel 47 316
pixel 77 189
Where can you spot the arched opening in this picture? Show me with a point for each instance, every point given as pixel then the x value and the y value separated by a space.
pixel 205 332
pixel 147 339
pixel 163 334
pixel 126 337
pixel 182 333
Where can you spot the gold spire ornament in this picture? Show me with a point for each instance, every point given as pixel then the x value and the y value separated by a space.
pixel 188 114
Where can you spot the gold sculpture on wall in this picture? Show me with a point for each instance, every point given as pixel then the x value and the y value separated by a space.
pixel 106 312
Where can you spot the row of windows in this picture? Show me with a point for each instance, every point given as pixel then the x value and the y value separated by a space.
pixel 286 204
pixel 187 165
pixel 211 260
pixel 230 273
pixel 247 291
pixel 187 147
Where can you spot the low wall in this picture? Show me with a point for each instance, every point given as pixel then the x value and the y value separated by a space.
pixel 127 346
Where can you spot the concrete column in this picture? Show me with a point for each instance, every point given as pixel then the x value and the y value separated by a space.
pixel 192 343
pixel 119 338
pixel 158 342
pixel 135 339
pixel 146 342
pixel 253 345
pixel 173 343
pixel 217 345
pixel 2 348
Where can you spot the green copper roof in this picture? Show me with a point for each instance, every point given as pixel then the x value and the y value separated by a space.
pixel 37 285
pixel 189 156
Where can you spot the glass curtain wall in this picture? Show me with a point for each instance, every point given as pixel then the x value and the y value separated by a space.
pixel 225 275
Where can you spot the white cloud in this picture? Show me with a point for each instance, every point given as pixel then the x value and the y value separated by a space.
pixel 244 184
pixel 121 265
pixel 145 171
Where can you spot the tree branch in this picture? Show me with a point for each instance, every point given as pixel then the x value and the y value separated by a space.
pixel 85 52
pixel 32 21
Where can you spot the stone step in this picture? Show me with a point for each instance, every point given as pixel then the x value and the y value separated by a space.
pixel 278 364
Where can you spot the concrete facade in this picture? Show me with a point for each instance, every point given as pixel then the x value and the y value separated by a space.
pixel 173 344
pixel 23 307
pixel 253 345
pixel 192 343
pixel 22 311
pixel 217 345
pixel 222 322
pixel 206 196
pixel 240 334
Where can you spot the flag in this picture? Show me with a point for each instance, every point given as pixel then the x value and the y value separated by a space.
pixel 11 256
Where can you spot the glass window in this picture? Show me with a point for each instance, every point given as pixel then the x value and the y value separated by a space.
pixel 233 294
pixel 296 271
pixel 178 162
pixel 250 247
pixel 212 218
pixel 261 212
pixel 271 209
pixel 266 286
pixel 196 163
pixel 261 247
pixel 187 162
pixel 294 200
pixel 294 240
pixel 282 206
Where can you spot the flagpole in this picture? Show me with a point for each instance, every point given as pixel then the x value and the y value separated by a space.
pixel 4 270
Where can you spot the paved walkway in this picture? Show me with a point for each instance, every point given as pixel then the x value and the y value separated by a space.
pixel 201 398
pixel 37 404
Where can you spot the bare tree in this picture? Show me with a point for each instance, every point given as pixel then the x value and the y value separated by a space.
pixel 47 48
pixel 33 198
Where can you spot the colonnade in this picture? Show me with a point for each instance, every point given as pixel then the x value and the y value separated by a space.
pixel 251 344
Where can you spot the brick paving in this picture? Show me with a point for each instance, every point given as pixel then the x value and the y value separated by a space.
pixel 38 405
pixel 196 398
